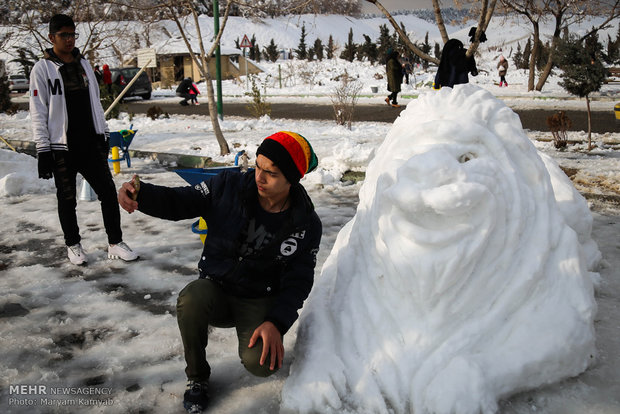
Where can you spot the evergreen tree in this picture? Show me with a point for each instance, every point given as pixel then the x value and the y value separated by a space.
pixel 369 50
pixel 385 41
pixel 543 55
pixel 319 49
pixel 271 52
pixel 400 43
pixel 612 50
pixel 254 51
pixel 593 46
pixel 582 73
pixel 26 58
pixel 311 53
pixel 331 47
pixel 437 51
pixel 517 58
pixel 426 48
pixel 251 51
pixel 527 53
pixel 301 51
pixel 350 48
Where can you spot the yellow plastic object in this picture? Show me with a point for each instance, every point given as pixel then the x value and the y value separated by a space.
pixel 116 164
pixel 617 110
pixel 202 225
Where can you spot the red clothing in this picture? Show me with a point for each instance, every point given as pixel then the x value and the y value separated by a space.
pixel 107 75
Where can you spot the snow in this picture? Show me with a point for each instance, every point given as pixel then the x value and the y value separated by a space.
pixel 423 336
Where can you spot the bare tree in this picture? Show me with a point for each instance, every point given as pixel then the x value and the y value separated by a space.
pixel 565 13
pixel 97 24
pixel 486 12
pixel 179 12
pixel 403 35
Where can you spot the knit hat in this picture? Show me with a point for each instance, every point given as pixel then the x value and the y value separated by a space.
pixel 291 152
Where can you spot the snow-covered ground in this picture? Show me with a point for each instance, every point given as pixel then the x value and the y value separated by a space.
pixel 110 327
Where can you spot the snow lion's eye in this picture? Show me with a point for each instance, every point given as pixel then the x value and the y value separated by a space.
pixel 466 157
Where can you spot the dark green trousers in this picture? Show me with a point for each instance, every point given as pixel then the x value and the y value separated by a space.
pixel 202 303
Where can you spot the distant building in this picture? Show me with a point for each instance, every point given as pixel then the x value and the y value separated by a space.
pixel 174 63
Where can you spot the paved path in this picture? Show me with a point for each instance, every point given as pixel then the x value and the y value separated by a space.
pixel 533 119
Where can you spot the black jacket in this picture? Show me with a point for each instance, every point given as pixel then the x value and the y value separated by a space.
pixel 454 65
pixel 394 72
pixel 284 268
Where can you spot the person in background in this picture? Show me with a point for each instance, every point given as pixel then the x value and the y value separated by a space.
pixel 502 66
pixel 71 136
pixel 183 90
pixel 194 92
pixel 454 65
pixel 394 73
pixel 407 68
pixel 107 78
pixel 257 265
pixel 98 74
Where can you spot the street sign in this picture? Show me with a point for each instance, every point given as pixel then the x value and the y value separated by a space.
pixel 245 42
pixel 147 56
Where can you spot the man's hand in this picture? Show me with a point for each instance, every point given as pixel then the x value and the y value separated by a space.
pixel 272 344
pixel 46 164
pixel 126 196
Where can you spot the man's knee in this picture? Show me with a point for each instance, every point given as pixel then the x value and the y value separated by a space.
pixel 250 358
pixel 192 298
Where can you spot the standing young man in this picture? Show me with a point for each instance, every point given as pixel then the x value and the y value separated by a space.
pixel 257 265
pixel 71 136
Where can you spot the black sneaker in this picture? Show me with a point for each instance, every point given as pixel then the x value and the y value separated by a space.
pixel 196 396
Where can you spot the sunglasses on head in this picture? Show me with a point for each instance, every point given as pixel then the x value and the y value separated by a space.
pixel 67 35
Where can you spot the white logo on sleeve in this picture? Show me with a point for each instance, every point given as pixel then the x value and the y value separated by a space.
pixel 202 187
pixel 288 247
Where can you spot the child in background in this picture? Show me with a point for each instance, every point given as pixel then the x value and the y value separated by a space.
pixel 194 92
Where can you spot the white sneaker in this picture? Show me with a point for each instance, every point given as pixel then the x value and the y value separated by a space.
pixel 76 254
pixel 121 251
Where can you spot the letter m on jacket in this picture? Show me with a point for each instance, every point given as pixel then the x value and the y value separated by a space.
pixel 55 88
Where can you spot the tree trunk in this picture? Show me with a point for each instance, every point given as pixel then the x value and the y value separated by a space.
pixel 554 42
pixel 589 124
pixel 486 12
pixel 533 56
pixel 403 35
pixel 203 66
pixel 224 149
pixel 440 24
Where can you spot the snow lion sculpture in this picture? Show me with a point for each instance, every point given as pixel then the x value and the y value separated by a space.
pixel 460 280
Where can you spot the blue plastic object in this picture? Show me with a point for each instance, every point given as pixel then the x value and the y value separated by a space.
pixel 122 139
pixel 196 230
pixel 195 176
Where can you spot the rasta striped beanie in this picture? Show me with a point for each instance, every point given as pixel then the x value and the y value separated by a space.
pixel 291 152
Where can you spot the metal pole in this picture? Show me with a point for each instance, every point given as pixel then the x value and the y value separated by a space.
pixel 218 63
pixel 120 95
pixel 247 80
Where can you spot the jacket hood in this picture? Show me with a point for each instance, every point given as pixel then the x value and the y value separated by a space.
pixel 50 55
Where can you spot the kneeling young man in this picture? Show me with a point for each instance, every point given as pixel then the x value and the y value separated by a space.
pixel 257 265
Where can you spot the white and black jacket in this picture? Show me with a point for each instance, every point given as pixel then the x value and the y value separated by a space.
pixel 48 111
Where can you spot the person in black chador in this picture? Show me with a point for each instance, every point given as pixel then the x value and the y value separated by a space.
pixel 183 90
pixel 394 73
pixel 71 135
pixel 454 65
